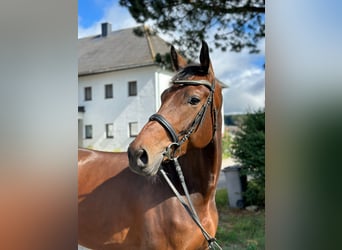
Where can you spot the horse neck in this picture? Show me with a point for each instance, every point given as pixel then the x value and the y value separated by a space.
pixel 201 168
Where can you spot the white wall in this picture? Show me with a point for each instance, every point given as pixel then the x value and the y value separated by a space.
pixel 121 109
pixel 162 80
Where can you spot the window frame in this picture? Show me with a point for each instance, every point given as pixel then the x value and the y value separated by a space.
pixel 87 131
pixel 111 92
pixel 132 88
pixel 130 129
pixel 88 93
pixel 108 135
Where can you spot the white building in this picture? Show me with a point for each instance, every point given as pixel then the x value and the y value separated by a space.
pixel 119 86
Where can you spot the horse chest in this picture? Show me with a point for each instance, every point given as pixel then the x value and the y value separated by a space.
pixel 168 226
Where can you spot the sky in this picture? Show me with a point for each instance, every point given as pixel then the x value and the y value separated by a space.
pixel 242 72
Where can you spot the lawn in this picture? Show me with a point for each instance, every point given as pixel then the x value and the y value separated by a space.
pixel 239 229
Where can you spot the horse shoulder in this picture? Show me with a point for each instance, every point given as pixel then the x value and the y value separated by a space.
pixel 95 167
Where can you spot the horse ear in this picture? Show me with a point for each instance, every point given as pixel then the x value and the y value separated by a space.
pixel 204 56
pixel 177 60
pixel 174 58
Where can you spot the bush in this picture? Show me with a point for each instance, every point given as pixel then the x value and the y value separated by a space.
pixel 226 140
pixel 254 194
pixel 248 148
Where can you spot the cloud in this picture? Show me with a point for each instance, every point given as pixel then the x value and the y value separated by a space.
pixel 246 91
pixel 242 72
pixel 118 16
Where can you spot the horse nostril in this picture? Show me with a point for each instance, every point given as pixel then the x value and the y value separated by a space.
pixel 142 157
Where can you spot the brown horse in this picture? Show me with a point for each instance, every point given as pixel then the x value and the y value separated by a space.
pixel 124 202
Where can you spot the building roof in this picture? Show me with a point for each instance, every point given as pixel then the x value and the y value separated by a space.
pixel 120 49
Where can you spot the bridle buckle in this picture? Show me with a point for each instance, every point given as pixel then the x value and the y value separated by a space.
pixel 171 150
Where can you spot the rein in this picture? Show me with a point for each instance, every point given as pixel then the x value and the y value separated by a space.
pixel 212 242
pixel 171 150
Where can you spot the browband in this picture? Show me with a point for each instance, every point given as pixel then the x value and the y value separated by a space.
pixel 195 82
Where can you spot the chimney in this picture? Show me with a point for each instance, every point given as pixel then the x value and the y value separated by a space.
pixel 106 29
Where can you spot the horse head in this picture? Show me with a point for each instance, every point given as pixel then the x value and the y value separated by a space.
pixel 187 118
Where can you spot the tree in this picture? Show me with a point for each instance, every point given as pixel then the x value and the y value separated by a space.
pixel 234 24
pixel 248 147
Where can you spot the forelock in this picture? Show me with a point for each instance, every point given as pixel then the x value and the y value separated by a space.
pixel 191 70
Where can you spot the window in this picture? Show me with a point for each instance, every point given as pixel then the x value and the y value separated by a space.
pixel 108 91
pixel 87 93
pixel 109 130
pixel 133 129
pixel 88 131
pixel 132 88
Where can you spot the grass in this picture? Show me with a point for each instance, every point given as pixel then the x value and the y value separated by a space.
pixel 239 229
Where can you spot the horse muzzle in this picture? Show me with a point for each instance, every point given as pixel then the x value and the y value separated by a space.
pixel 140 162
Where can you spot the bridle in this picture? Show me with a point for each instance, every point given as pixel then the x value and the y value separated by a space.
pixel 176 144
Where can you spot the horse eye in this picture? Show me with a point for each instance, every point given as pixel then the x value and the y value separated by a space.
pixel 194 100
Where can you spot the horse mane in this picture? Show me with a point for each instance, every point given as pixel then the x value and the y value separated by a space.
pixel 190 70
